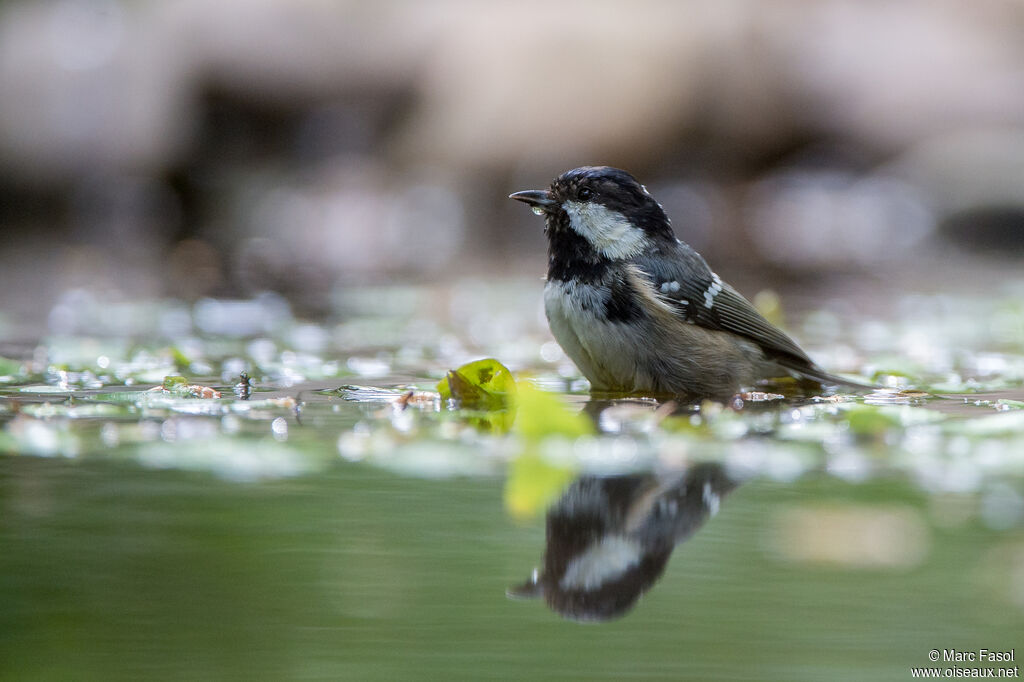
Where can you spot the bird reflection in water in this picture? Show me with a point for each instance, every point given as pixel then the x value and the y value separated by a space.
pixel 609 538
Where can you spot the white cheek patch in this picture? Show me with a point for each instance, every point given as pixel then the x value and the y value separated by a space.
pixel 604 561
pixel 611 234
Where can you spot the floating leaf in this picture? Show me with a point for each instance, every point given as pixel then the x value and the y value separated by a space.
pixel 482 385
pixel 533 481
pixel 179 386
pixel 486 393
pixel 172 382
pixel 542 414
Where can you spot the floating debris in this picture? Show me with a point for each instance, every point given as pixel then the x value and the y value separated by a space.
pixel 178 385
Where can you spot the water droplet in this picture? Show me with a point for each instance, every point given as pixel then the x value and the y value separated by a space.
pixel 537 210
pixel 279 427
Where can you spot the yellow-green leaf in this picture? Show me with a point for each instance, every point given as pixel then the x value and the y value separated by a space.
pixel 172 382
pixel 542 414
pixel 481 385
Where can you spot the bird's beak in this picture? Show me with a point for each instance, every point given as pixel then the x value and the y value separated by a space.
pixel 538 199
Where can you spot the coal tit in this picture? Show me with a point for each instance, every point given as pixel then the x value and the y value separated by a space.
pixel 638 310
pixel 610 538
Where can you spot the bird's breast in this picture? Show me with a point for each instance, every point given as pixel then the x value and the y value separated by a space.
pixel 646 350
pixel 605 350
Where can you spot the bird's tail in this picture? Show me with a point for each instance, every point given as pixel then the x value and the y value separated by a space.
pixel 816 373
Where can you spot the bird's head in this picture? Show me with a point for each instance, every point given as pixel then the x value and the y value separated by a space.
pixel 607 207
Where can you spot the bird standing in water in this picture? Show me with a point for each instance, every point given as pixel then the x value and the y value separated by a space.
pixel 638 310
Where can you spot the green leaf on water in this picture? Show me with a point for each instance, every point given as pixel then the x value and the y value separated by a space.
pixel 542 414
pixel 172 382
pixel 179 386
pixel 481 385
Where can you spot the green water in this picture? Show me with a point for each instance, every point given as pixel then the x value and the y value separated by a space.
pixel 335 526
pixel 112 572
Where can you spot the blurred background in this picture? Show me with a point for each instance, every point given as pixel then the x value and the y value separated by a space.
pixel 190 149
pixel 218 188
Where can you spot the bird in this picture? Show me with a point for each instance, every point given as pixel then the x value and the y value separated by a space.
pixel 641 312
pixel 609 538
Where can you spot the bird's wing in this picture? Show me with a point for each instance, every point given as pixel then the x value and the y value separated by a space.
pixel 696 294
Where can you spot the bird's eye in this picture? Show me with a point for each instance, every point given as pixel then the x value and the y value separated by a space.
pixel 585 193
